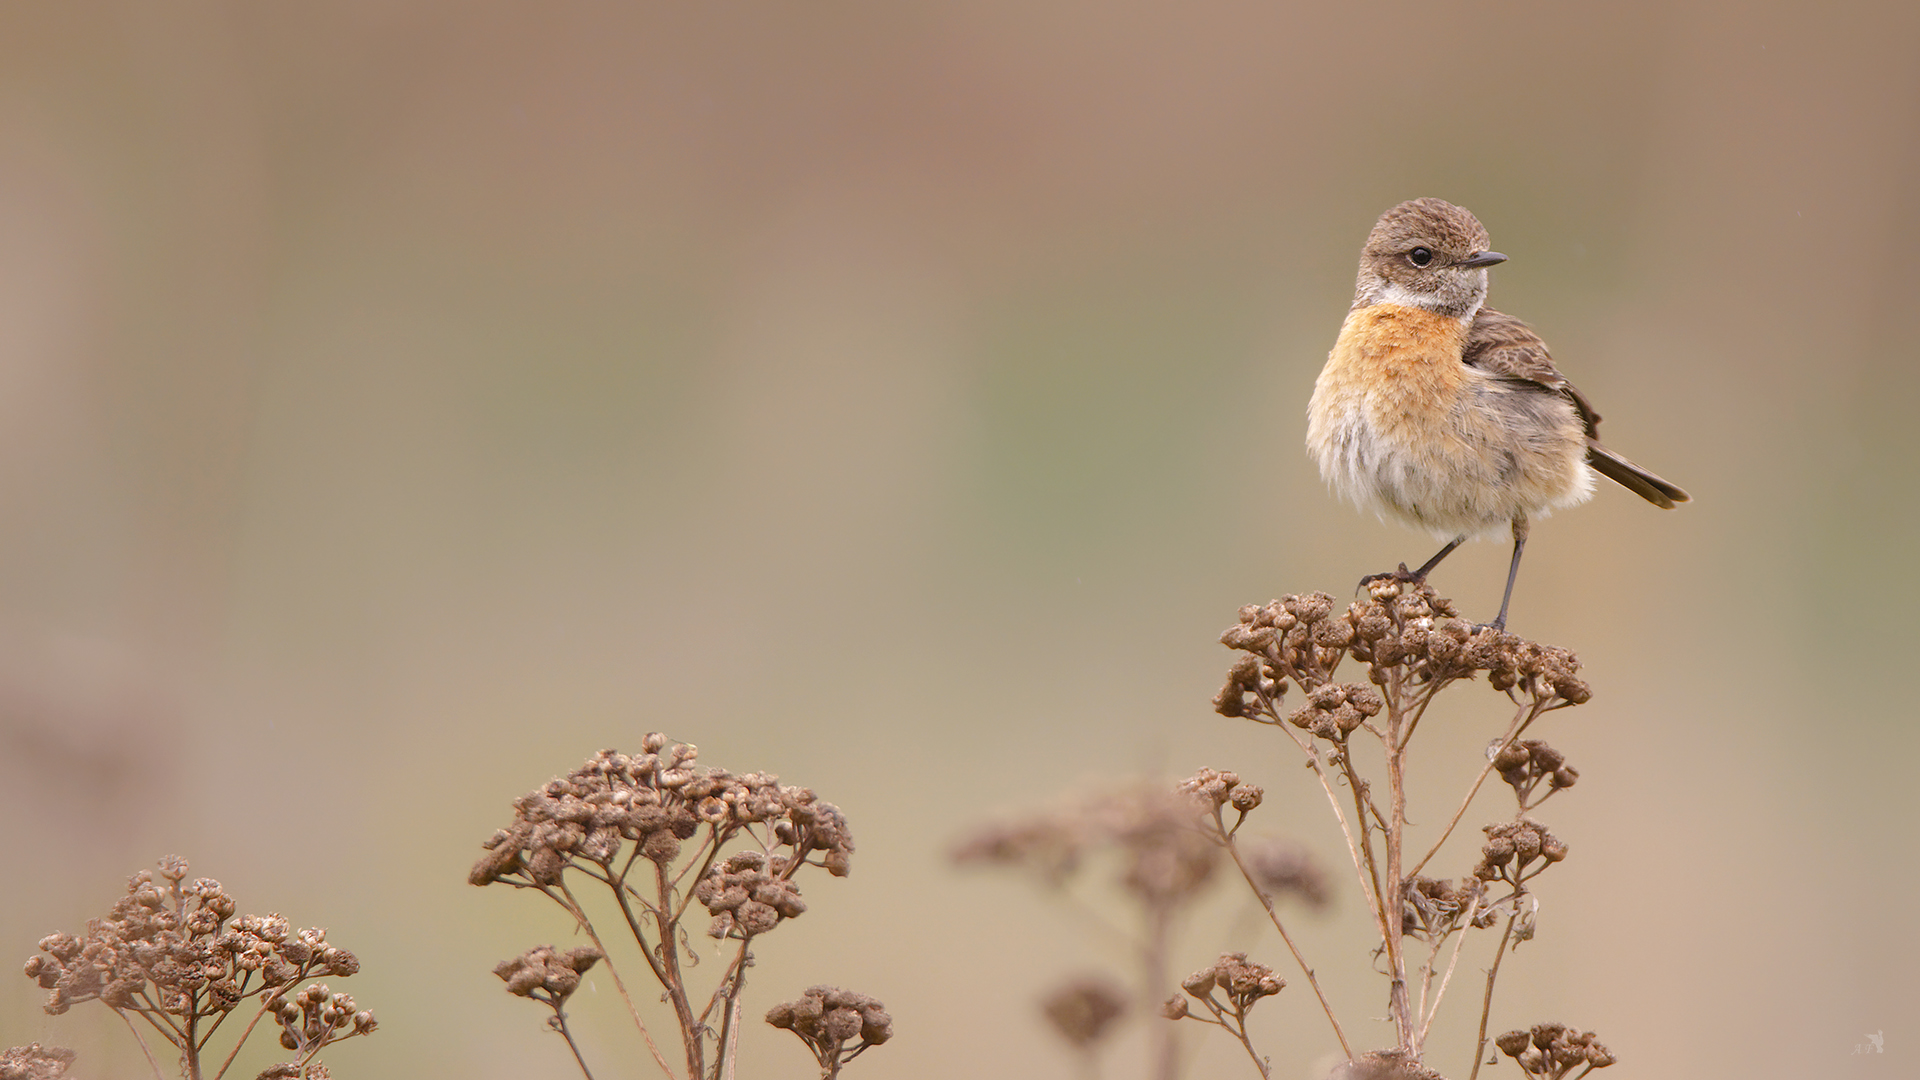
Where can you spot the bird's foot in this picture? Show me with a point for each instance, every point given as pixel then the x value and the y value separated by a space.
pixel 1403 575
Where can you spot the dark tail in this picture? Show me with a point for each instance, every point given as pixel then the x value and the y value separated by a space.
pixel 1633 477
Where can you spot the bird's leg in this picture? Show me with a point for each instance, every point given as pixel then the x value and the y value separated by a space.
pixel 1406 575
pixel 1520 529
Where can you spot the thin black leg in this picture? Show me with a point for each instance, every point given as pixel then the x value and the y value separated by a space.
pixel 1421 574
pixel 1404 574
pixel 1520 530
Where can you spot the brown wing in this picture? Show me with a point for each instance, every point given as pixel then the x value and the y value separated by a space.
pixel 1502 345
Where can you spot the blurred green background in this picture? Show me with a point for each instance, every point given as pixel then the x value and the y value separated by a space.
pixel 400 401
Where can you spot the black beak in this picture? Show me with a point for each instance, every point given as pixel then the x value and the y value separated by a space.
pixel 1484 258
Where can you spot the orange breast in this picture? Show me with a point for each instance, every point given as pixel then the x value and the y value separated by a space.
pixel 1404 362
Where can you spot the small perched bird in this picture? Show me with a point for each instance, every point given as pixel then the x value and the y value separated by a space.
pixel 1445 413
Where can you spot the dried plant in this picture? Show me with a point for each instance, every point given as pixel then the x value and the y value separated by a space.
pixel 1082 1012
pixel 661 834
pixel 1228 989
pixel 1412 646
pixel 172 954
pixel 829 1020
pixel 35 1062
pixel 1164 862
pixel 1553 1051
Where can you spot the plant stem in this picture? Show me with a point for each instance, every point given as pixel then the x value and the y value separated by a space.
pixel 1273 916
pixel 573 906
pixel 1486 1003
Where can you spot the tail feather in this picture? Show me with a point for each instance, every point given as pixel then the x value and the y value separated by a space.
pixel 1634 478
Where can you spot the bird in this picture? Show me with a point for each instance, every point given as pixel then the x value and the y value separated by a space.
pixel 1446 414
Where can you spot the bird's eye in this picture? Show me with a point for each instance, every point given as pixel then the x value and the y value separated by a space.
pixel 1419 256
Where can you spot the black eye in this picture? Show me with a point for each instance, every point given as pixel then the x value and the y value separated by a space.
pixel 1419 256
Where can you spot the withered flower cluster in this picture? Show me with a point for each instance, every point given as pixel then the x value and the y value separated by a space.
pixel 35 1062
pixel 1166 858
pixel 829 1020
pixel 665 837
pixel 1513 845
pixel 1279 866
pixel 546 975
pixel 1242 982
pixel 1434 906
pixel 1215 789
pixel 656 800
pixel 1402 630
pixel 748 894
pixel 316 1016
pixel 1083 1010
pixel 173 953
pixel 1553 1051
pixel 1273 866
pixel 1528 763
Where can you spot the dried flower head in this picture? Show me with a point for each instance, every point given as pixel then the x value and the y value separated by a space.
pixel 658 800
pixel 836 1025
pixel 1433 908
pixel 1242 981
pixel 1083 1010
pixel 545 975
pixel 173 952
pixel 1166 857
pixel 749 894
pixel 315 1016
pixel 1553 1051
pixel 35 1062
pixel 1528 764
pixel 1282 867
pixel 1512 846
pixel 1402 630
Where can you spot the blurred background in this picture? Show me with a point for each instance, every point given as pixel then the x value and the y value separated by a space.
pixel 400 401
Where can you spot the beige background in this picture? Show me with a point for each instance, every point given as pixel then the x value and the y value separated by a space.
pixel 400 401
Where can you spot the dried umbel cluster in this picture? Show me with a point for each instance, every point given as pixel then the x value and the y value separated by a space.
pixel 836 1025
pixel 665 837
pixel 35 1062
pixel 545 974
pixel 1529 764
pixel 748 894
pixel 1403 631
pixel 1511 848
pixel 1554 1051
pixel 1231 984
pixel 316 1015
pixel 1227 990
pixel 1434 907
pixel 173 953
pixel 1083 1011
pixel 656 800
pixel 1165 858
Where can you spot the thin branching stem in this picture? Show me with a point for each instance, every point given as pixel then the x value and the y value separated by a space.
pixel 580 915
pixel 674 985
pixel 1368 888
pixel 1466 922
pixel 142 1040
pixel 1392 924
pixel 1521 719
pixel 560 1025
pixel 244 1036
pixel 1486 1002
pixel 1273 916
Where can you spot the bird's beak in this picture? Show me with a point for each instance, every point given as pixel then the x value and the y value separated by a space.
pixel 1484 258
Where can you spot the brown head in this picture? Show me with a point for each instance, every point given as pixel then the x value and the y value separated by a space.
pixel 1426 253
